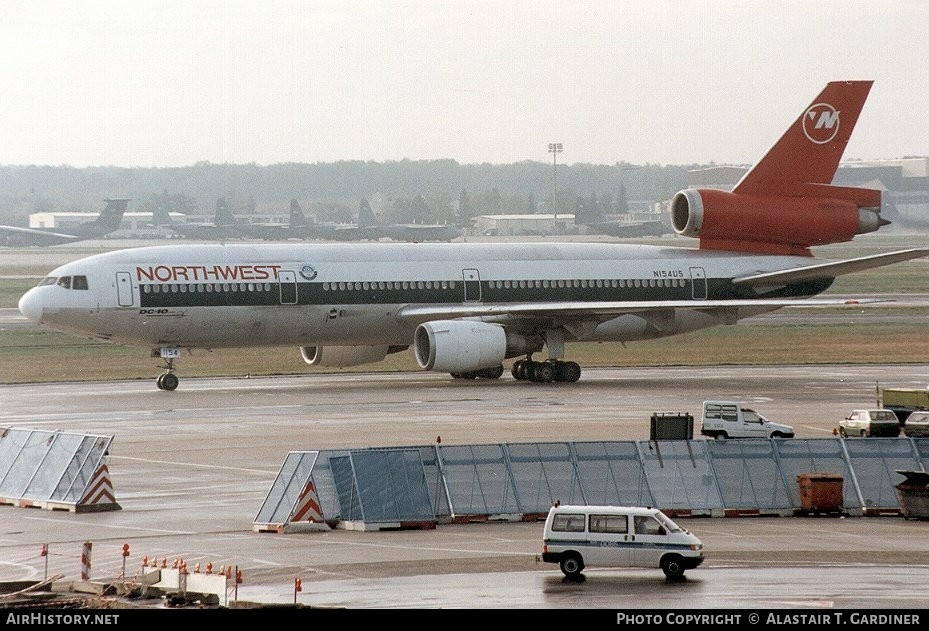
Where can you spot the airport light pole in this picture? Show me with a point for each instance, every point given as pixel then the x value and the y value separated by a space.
pixel 555 148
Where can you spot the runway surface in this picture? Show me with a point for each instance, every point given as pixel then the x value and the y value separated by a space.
pixel 191 468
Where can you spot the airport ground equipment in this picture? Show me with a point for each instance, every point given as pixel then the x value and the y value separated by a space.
pixel 903 401
pixel 55 470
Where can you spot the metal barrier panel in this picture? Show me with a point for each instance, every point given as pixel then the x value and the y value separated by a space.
pixel 326 488
pixel 17 470
pixel 748 475
pixel 509 479
pixel 391 485
pixel 921 445
pixel 542 473
pixel 44 466
pixel 435 481
pixel 874 462
pixel 81 456
pixel 816 455
pixel 679 474
pixel 478 479
pixel 610 473
pixel 343 478
pixel 287 488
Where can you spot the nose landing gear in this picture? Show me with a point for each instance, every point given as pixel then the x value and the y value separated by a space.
pixel 168 380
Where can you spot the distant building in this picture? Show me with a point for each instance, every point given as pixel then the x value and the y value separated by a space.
pixel 133 223
pixel 523 225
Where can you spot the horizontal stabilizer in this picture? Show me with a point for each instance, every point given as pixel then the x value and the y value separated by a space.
pixel 831 269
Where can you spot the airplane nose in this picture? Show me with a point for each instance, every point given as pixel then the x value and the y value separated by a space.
pixel 30 305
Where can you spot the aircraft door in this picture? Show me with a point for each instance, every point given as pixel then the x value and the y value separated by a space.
pixel 698 283
pixel 288 283
pixel 124 294
pixel 472 285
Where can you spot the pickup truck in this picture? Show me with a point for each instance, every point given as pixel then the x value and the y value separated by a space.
pixel 731 419
pixel 905 400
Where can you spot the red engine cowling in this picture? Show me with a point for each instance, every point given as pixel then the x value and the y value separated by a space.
pixel 775 225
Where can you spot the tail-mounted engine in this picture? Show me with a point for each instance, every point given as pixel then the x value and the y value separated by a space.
pixel 776 225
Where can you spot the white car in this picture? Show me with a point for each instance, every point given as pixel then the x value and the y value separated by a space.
pixel 917 424
pixel 871 423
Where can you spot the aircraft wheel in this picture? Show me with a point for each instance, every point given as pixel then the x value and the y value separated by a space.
pixel 544 372
pixel 570 372
pixel 493 373
pixel 168 381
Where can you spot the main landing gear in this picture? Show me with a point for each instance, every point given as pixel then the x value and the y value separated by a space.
pixel 547 371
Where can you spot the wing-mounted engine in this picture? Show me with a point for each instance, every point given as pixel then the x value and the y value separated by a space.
pixel 345 356
pixel 458 346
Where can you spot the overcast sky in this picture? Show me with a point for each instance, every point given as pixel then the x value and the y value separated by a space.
pixel 172 83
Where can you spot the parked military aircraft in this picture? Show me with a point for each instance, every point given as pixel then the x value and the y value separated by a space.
pixel 370 228
pixel 302 228
pixel 225 227
pixel 107 222
pixel 628 229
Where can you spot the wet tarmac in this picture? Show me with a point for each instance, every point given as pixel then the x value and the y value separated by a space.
pixel 191 468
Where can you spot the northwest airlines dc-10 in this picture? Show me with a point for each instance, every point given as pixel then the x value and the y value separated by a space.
pixel 466 307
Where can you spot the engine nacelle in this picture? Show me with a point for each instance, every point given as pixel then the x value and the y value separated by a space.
pixel 343 356
pixel 777 225
pixel 459 345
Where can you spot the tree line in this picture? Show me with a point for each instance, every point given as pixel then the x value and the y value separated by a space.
pixel 421 191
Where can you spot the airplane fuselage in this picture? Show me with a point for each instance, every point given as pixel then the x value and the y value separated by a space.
pixel 329 294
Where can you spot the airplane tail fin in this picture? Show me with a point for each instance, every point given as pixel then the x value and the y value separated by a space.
pixel 161 216
pixel 366 216
pixel 223 216
pixel 787 203
pixel 810 150
pixel 111 215
pixel 297 218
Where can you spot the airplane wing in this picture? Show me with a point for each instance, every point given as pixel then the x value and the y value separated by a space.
pixel 415 315
pixel 829 270
pixel 28 236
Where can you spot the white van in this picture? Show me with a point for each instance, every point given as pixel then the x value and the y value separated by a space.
pixel 576 537
pixel 731 419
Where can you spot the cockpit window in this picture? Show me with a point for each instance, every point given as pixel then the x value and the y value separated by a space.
pixel 65 281
pixel 80 282
pixel 48 280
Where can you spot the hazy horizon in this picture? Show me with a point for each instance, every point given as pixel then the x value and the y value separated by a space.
pixel 665 82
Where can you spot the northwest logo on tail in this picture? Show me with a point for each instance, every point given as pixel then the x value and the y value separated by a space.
pixel 821 123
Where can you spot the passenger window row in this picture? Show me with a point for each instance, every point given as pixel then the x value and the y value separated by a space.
pixel 206 288
pixel 508 284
